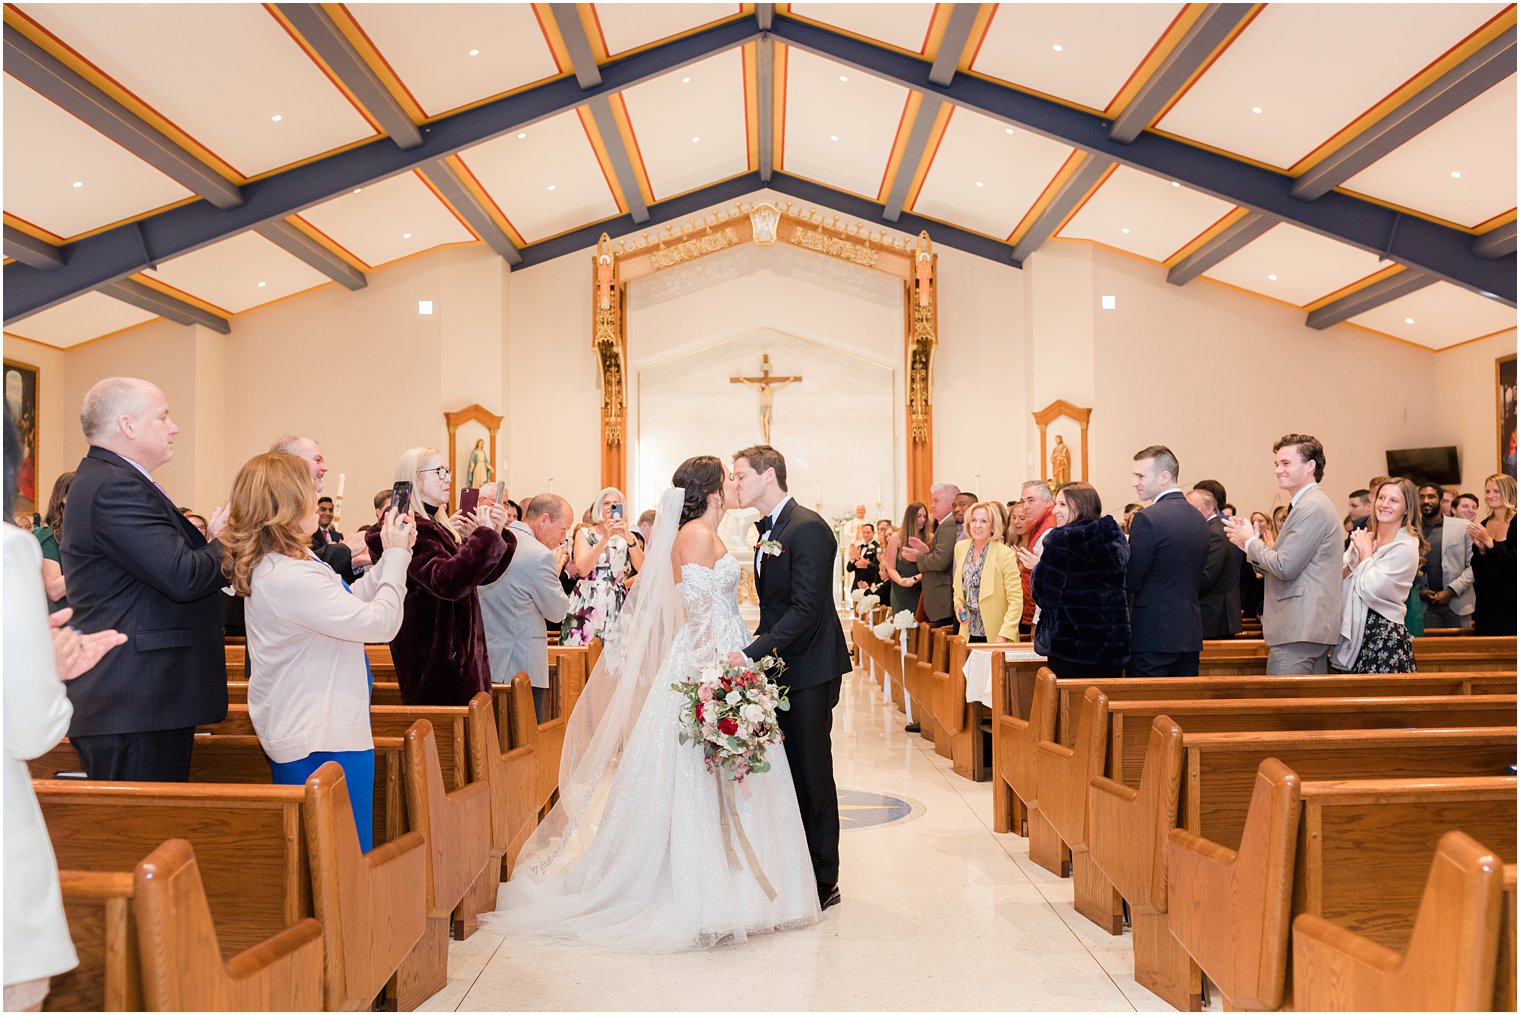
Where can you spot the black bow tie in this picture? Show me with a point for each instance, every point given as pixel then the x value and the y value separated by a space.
pixel 763 524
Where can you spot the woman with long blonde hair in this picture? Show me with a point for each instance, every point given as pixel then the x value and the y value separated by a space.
pixel 440 651
pixel 1379 568
pixel 309 686
pixel 1493 561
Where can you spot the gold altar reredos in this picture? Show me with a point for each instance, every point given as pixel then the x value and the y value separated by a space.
pixel 912 261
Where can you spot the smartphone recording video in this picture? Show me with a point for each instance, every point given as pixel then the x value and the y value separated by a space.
pixel 401 497
pixel 468 499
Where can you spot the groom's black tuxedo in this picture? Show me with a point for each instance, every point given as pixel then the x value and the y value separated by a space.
pixel 798 622
pixel 797 617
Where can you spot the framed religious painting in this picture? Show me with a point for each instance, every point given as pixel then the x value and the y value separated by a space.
pixel 1504 387
pixel 22 389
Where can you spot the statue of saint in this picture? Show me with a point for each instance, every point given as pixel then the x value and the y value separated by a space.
pixel 479 472
pixel 1060 463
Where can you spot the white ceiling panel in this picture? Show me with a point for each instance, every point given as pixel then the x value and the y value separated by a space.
pixel 1080 52
pixel 1312 69
pixel 79 320
pixel 71 179
pixel 985 176
pixel 840 123
pixel 545 178
pixel 220 72
pixel 690 124
pixel 239 273
pixel 1438 316
pixel 458 53
pixel 388 220
pixel 905 25
pixel 1461 169
pixel 1306 265
pixel 1145 215
pixel 629 26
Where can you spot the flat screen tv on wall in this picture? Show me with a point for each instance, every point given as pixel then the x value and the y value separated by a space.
pixel 1426 465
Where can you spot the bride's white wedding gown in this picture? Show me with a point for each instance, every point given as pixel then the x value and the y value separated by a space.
pixel 657 875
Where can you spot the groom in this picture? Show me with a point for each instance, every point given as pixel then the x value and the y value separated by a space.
pixel 797 621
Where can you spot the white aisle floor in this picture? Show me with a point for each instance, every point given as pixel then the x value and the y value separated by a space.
pixel 938 913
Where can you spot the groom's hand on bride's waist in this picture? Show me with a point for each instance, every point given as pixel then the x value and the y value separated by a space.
pixel 737 659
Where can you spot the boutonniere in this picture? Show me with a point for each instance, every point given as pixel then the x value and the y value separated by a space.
pixel 769 548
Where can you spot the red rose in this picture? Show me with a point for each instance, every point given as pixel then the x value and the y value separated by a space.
pixel 728 727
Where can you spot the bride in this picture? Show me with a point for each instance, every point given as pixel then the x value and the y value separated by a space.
pixel 640 853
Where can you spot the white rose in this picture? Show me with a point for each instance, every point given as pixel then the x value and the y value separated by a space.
pixel 734 697
pixel 752 713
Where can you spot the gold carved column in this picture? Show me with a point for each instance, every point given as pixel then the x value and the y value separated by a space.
pixel 921 314
pixel 610 340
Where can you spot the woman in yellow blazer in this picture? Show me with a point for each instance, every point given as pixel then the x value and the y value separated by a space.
pixel 989 595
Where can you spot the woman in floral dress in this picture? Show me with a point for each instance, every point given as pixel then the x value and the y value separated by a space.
pixel 606 558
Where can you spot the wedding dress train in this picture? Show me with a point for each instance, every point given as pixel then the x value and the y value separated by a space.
pixel 663 869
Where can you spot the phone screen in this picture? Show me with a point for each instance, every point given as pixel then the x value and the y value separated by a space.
pixel 617 511
pixel 401 497
pixel 468 499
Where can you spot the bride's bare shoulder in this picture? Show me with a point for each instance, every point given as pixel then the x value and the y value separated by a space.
pixel 695 544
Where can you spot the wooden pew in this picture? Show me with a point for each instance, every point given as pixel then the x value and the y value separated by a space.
pixel 960 725
pixel 1351 851
pixel 181 961
pixel 98 907
pixel 1452 958
pixel 513 776
pixel 1361 685
pixel 1013 750
pixel 265 868
pixel 1203 782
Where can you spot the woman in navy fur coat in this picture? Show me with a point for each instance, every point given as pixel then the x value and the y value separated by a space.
pixel 1083 630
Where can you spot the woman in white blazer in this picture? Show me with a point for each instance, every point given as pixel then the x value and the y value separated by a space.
pixel 1380 566
pixel 40 654
pixel 309 692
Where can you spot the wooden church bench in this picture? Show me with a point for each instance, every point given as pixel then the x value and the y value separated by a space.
pixel 1352 851
pixel 1453 956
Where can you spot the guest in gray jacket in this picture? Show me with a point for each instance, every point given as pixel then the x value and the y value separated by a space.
pixel 515 606
pixel 1301 615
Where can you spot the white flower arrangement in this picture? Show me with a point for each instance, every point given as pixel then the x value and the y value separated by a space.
pixel 866 604
pixel 889 629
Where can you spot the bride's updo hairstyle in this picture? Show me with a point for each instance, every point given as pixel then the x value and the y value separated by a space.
pixel 700 477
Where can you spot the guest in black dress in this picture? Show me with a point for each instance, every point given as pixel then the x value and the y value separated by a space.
pixel 901 573
pixel 1493 561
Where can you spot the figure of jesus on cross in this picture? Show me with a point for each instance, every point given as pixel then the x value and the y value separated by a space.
pixel 767 385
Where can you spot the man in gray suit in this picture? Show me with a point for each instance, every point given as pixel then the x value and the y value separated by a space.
pixel 1446 587
pixel 1302 615
pixel 515 606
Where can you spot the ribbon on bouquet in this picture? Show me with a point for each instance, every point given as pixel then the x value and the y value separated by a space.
pixel 728 816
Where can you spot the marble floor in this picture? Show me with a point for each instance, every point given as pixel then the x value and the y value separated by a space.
pixel 938 913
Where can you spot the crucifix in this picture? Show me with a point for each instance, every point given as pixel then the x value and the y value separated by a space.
pixel 767 385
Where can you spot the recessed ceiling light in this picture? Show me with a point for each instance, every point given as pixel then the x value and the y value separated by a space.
pixel 424 307
pixel 1176 184
pixel 1108 301
pixel 1409 320
pixel 833 137
pixel 1057 47
pixel 843 78
pixel 1271 278
pixel 78 184
pixel 695 140
pixel 521 134
pixel 406 236
pixel 474 52
pixel 1124 230
pixel 263 284
pixel 1256 109
pixel 551 186
pixel 1007 130
pixel 358 190
pixel 979 183
pixel 686 81
pixel 1456 174
pixel 277 118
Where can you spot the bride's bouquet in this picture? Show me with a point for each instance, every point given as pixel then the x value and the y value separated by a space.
pixel 731 712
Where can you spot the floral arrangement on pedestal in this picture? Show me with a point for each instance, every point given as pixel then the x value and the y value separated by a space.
pixel 730 712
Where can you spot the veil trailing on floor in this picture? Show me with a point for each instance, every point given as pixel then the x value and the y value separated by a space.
pixel 609 706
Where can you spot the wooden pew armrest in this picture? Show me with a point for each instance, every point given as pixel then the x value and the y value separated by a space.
pixel 388 853
pixel 96 884
pixel 298 943
pixel 1318 940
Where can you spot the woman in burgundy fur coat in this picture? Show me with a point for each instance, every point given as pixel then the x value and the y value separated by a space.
pixel 440 651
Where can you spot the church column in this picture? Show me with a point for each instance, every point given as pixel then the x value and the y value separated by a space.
pixel 610 339
pixel 921 325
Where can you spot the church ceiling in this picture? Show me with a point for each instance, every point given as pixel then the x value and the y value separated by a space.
pixel 231 155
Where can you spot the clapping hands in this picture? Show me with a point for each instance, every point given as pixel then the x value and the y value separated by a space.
pixel 916 546
pixel 1027 557
pixel 1363 542
pixel 74 653
pixel 1238 530
pixel 1480 537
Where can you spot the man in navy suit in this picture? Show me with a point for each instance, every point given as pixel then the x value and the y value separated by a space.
pixel 137 565
pixel 1168 545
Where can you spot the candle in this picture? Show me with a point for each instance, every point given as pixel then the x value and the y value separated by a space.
pixel 551 484
pixel 978 484
pixel 342 478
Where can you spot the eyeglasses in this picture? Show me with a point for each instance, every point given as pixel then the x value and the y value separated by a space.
pixel 442 470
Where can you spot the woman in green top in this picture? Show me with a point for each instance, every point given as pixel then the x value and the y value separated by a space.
pixel 48 535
